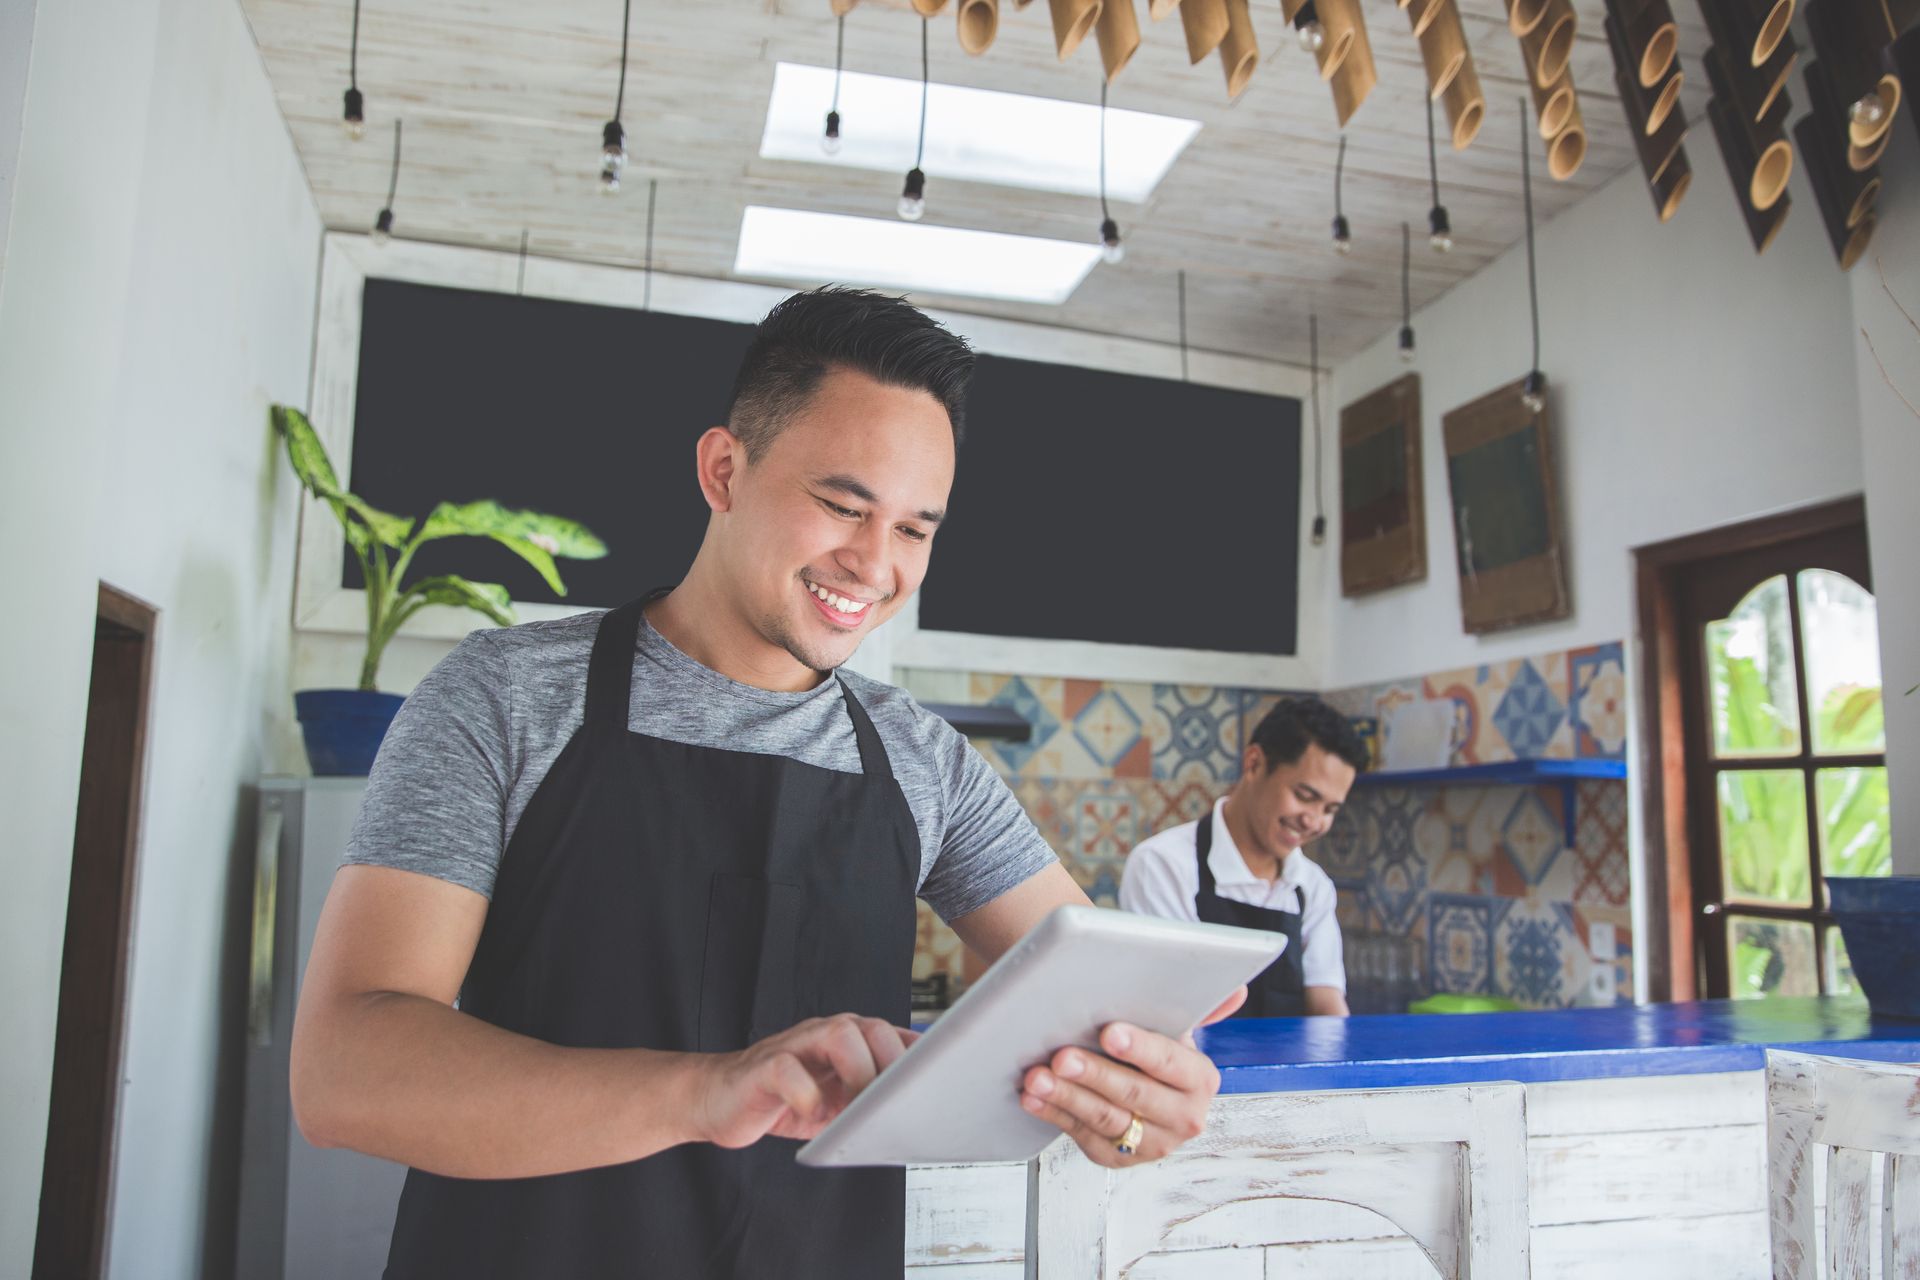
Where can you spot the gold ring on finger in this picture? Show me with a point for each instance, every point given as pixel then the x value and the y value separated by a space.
pixel 1129 1142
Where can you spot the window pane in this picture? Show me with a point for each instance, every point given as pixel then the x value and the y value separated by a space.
pixel 1763 836
pixel 1771 957
pixel 1839 967
pixel 1751 677
pixel 1856 835
pixel 1841 629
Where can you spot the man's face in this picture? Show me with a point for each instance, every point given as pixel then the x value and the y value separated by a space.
pixel 1288 805
pixel 843 505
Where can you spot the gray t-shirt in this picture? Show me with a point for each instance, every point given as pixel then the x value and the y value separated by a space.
pixel 474 740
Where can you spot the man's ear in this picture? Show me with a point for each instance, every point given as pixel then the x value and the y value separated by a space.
pixel 719 457
pixel 1253 761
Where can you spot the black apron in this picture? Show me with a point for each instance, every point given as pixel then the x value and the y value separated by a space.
pixel 664 896
pixel 1281 989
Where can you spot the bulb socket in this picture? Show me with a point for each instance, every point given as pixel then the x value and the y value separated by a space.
pixel 1319 530
pixel 383 226
pixel 1406 341
pixel 1439 228
pixel 1110 233
pixel 1342 233
pixel 833 124
pixel 613 145
pixel 356 109
pixel 1533 391
pixel 916 188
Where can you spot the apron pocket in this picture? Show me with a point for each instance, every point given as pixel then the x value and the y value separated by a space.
pixel 747 980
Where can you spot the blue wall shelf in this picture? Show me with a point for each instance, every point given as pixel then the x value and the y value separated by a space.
pixel 1506 773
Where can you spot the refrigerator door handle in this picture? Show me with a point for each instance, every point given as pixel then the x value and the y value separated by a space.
pixel 266 896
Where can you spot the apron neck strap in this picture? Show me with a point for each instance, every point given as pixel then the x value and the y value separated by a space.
pixel 610 669
pixel 873 756
pixel 1202 847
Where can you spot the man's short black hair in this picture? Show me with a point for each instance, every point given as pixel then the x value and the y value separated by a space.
pixel 800 339
pixel 1284 732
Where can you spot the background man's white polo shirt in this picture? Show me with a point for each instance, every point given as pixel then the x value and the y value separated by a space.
pixel 1162 876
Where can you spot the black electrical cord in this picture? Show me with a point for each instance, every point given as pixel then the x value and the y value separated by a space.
pixel 1433 162
pixel 1104 215
pixel 1183 326
pixel 1313 368
pixel 620 98
pixel 646 297
pixel 1406 272
pixel 1526 188
pixel 1339 170
pixel 839 48
pixel 353 50
pixel 393 182
pixel 919 150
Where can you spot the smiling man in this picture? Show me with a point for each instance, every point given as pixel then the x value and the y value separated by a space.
pixel 1243 865
pixel 629 907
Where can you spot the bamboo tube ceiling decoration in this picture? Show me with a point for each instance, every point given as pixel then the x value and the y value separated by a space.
pixel 505 104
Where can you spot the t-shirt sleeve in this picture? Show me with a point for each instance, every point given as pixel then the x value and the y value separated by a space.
pixel 436 800
pixel 1321 961
pixel 989 844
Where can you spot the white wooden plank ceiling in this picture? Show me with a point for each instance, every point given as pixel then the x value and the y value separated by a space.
pixel 503 104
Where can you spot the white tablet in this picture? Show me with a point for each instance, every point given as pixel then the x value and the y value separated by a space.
pixel 954 1096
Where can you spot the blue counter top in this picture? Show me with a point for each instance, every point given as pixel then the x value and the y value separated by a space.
pixel 1279 1055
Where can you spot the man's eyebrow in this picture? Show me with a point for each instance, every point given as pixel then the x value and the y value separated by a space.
pixel 853 488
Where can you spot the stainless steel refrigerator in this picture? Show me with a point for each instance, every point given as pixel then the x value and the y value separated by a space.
pixel 305 1214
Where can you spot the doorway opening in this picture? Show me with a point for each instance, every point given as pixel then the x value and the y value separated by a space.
pixel 77 1171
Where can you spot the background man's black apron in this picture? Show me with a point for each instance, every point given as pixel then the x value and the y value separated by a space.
pixel 1281 990
pixel 664 896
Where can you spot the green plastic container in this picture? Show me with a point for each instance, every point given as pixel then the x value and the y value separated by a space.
pixel 1455 1002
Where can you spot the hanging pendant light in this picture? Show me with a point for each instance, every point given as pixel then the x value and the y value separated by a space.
pixel 1319 534
pixel 383 224
pixel 1111 250
pixel 1342 233
pixel 830 140
pixel 613 137
pixel 1406 293
pixel 1308 29
pixel 1533 391
pixel 354 118
pixel 913 195
pixel 1439 228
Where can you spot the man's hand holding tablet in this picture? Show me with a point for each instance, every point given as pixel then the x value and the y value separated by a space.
pixel 1163 1083
pixel 1083 1027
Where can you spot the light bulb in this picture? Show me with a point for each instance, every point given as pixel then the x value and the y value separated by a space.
pixel 1870 109
pixel 1311 35
pixel 1406 343
pixel 383 227
pixel 1533 392
pixel 830 140
pixel 1441 231
pixel 1342 235
pixel 354 118
pixel 1111 250
pixel 913 196
pixel 613 156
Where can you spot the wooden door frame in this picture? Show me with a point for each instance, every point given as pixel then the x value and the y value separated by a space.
pixel 1668 952
pixel 106 844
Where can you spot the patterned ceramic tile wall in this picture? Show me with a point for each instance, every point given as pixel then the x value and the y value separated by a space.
pixel 1441 889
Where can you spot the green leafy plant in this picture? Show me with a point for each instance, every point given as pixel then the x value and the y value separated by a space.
pixel 385 544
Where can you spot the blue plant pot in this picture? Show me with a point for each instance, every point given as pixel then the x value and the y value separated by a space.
pixel 343 728
pixel 1879 916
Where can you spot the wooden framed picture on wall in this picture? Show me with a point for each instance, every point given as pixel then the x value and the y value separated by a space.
pixel 1506 513
pixel 1383 527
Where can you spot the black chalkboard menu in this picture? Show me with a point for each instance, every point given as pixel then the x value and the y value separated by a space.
pixel 1088 505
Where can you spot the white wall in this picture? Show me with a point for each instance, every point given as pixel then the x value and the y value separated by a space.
pixel 159 294
pixel 1692 385
pixel 1890 453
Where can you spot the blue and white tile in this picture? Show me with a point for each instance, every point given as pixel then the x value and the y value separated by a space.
pixel 1538 958
pixel 1460 942
pixel 1195 730
pixel 1533 838
pixel 1036 701
pixel 1529 714
pixel 1598 700
pixel 1396 874
pixel 1108 727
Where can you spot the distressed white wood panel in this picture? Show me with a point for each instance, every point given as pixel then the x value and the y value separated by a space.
pixel 1611 1176
pixel 1639 1104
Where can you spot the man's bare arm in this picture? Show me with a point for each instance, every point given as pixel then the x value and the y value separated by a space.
pixel 1326 1000
pixel 382 1062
